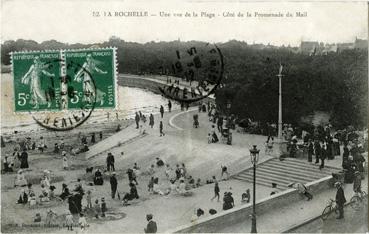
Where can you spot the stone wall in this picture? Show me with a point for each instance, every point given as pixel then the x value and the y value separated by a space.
pixel 242 213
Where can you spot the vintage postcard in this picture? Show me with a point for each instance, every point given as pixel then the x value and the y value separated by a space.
pixel 180 116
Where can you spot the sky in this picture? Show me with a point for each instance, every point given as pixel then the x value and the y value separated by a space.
pixel 72 21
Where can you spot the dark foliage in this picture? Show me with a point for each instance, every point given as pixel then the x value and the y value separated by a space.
pixel 336 83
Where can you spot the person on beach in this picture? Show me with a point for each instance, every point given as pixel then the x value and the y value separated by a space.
pixel 69 220
pixel 161 129
pixel 21 179
pixel 159 162
pixel 82 222
pixel 24 159
pixel 216 191
pixel 101 135
pixel 133 194
pixel 98 179
pixel 151 120
pixel 151 225
pixel 65 160
pixel 161 111
pixel 131 176
pixel 228 201
pixel 225 171
pixel 89 199
pixel 302 189
pixel 93 138
pixel 113 185
pixel 246 196
pixel 169 105
pixel 110 162
pixel 137 120
pixel 340 199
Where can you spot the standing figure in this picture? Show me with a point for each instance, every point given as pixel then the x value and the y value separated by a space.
pixel 137 120
pixel 40 88
pixel 110 162
pixel 113 185
pixel 216 191
pixel 84 75
pixel 93 139
pixel 161 111
pixel 340 199
pixel 170 106
pixel 82 222
pixel 69 221
pixel 24 159
pixel 65 160
pixel 151 120
pixel 161 129
pixel 310 150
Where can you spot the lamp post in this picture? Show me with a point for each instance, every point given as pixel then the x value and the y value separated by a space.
pixel 254 154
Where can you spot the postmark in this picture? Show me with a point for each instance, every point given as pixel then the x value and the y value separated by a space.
pixel 65 86
pixel 197 71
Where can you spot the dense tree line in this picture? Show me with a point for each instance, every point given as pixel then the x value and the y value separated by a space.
pixel 336 83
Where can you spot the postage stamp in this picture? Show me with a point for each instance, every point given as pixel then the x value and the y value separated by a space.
pixel 36 80
pixel 62 80
pixel 81 65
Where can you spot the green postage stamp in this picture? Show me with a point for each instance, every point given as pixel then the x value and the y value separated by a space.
pixel 64 79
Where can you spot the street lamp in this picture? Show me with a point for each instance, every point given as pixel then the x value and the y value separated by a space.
pixel 254 154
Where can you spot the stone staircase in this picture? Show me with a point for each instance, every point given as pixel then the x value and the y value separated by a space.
pixel 285 172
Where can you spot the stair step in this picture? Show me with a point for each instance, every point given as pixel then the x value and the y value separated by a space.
pixel 293 171
pixel 268 180
pixel 263 183
pixel 303 168
pixel 305 163
pixel 282 175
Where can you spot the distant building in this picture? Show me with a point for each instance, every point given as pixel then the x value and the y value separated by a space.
pixel 309 47
pixel 360 44
pixel 319 48
pixel 329 48
pixel 344 46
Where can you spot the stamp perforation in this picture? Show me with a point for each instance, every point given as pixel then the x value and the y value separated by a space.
pixel 63 71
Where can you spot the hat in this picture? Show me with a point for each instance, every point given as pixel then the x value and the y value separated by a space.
pixel 64 153
pixel 113 173
pixel 149 216
pixel 337 184
pixel 109 153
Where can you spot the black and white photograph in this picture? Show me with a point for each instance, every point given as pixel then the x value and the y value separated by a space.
pixel 181 116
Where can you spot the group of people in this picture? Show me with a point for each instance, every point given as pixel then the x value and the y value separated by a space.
pixel 140 120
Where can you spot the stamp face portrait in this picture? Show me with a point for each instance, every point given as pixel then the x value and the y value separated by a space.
pixel 81 66
pixel 36 81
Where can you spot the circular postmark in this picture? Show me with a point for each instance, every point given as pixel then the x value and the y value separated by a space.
pixel 197 73
pixel 65 120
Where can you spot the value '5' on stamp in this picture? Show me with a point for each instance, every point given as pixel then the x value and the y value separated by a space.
pixel 91 74
pixel 36 77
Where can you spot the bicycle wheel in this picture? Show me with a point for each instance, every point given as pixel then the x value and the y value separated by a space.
pixel 355 202
pixel 326 212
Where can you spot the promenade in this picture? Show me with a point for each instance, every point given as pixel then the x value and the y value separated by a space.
pixel 181 144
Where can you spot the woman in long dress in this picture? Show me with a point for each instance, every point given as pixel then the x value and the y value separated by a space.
pixel 39 89
pixel 24 159
pixel 84 75
pixel 21 179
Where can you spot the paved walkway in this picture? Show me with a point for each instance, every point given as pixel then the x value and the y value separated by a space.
pixel 281 218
